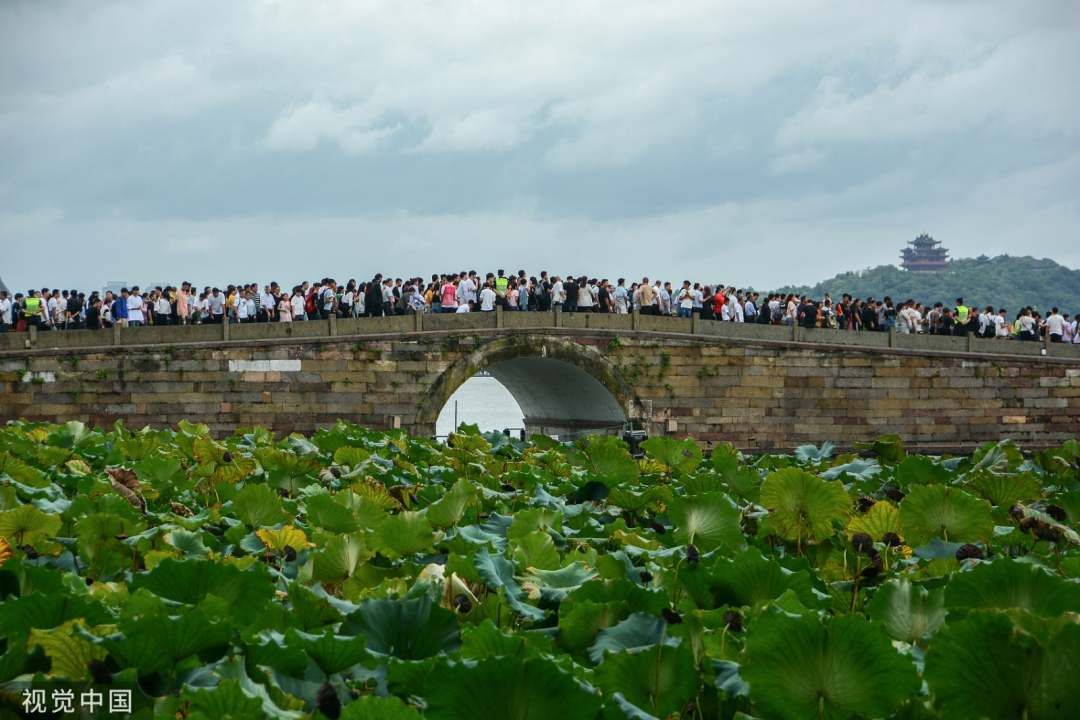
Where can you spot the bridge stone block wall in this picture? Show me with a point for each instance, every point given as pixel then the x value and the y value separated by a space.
pixel 759 387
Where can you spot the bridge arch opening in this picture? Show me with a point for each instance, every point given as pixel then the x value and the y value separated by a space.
pixel 563 388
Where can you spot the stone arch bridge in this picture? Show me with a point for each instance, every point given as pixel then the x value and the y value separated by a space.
pixel 758 387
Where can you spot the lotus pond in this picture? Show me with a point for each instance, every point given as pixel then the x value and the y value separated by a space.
pixel 362 574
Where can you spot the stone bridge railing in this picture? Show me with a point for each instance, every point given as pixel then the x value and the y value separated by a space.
pixel 337 328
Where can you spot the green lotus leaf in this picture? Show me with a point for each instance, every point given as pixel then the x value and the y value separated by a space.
pixel 658 680
pixel 636 632
pixel 191 581
pixel 257 505
pixel 889 448
pixel 310 610
pixel 407 629
pixel 338 558
pixel 606 460
pixel 13 661
pixel 21 472
pixel 708 521
pixel 511 688
pixel 498 573
pixel 1004 490
pixel 371 707
pixel 921 470
pixel 26 525
pixel 803 507
pixel 486 641
pixel 751 579
pixel 226 700
pixel 233 668
pixel 46 610
pixel 985 666
pixel 1006 584
pixel 883 517
pixel 152 644
pixel 936 511
pixel 536 550
pixel 450 508
pixel 812 454
pixel 1002 457
pixel 403 534
pixel 678 456
pixel 579 622
pixel 910 612
pixel 330 513
pixel 799 667
pixel 860 469
pixel 332 653
pixel 555 585
pixel 69 654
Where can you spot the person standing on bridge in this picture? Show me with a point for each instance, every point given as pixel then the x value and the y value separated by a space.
pixel 488 297
pixel 1055 326
pixel 685 300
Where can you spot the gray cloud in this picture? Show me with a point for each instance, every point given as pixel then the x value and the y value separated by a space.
pixel 752 142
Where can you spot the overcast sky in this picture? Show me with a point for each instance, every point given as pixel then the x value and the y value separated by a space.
pixel 750 142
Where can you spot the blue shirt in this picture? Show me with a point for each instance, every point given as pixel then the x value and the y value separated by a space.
pixel 119 309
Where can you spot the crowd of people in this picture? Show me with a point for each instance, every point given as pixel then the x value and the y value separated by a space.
pixel 468 291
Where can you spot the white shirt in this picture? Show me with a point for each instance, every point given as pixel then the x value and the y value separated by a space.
pixel 268 302
pixel 620 300
pixel 487 299
pixel 584 296
pixel 1055 324
pixel 1001 328
pixel 241 309
pixel 557 294
pixel 462 308
pixel 298 303
pixel 686 298
pixel 5 311
pixel 162 306
pixel 135 308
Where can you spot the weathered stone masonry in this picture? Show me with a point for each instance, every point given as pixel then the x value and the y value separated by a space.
pixel 757 387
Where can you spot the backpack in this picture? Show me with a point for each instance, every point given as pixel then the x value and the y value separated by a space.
pixel 309 303
pixel 776 312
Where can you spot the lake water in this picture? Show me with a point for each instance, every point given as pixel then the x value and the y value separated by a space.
pixel 484 401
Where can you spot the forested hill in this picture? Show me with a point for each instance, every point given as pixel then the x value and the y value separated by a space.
pixel 1002 281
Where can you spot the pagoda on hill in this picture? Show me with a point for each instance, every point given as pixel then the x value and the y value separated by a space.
pixel 925 254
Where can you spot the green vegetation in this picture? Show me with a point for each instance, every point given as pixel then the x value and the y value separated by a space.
pixel 1003 281
pixel 360 574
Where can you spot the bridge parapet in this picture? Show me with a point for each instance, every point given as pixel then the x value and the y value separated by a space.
pixel 315 330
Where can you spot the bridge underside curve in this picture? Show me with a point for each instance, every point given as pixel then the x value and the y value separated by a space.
pixel 558 397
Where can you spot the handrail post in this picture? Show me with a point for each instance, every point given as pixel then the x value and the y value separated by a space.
pixel 892 336
pixel 971 342
pixel 332 324
pixel 33 336
pixel 418 321
pixel 695 323
pixel 794 332
pixel 558 317
pixel 498 316
pixel 116 333
pixel 225 326
pixel 634 317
